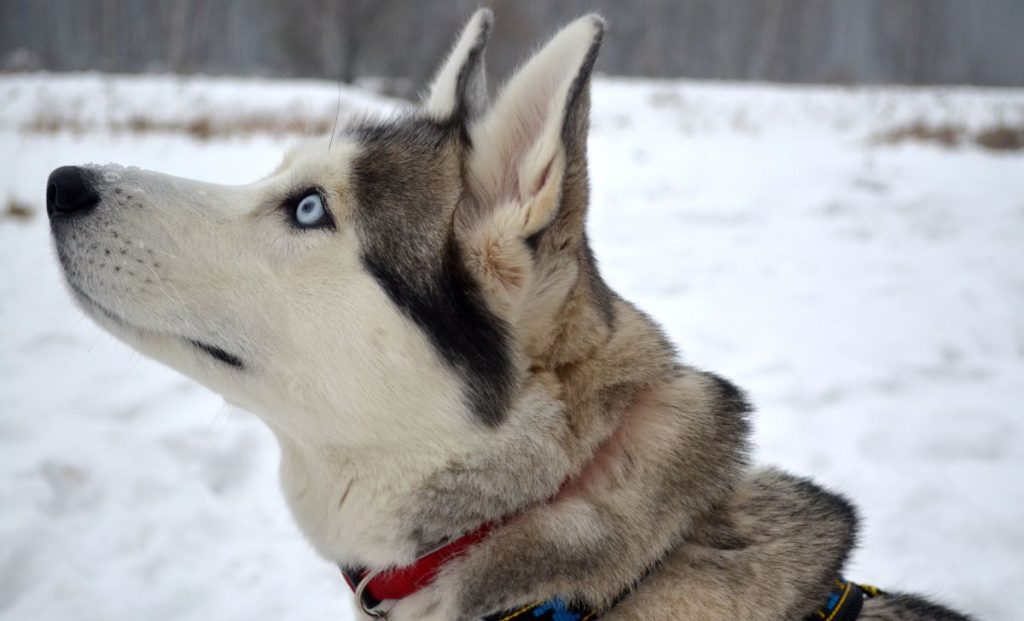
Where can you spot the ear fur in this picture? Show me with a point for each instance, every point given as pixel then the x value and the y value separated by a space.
pixel 459 89
pixel 523 145
pixel 521 151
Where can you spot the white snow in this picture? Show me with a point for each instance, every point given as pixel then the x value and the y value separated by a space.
pixel 869 297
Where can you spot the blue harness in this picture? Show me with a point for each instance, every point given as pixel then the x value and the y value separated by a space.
pixel 843 603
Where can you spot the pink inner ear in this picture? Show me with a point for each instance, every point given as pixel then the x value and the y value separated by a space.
pixel 528 118
pixel 543 179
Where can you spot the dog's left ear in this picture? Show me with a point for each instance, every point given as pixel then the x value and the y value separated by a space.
pixel 459 89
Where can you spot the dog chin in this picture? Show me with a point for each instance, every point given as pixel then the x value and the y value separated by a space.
pixel 105 317
pixel 180 352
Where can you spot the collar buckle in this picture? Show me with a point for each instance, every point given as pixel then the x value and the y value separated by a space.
pixel 364 600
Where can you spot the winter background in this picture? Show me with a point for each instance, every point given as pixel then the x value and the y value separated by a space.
pixel 853 256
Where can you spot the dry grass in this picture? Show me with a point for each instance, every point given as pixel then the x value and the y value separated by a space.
pixel 205 126
pixel 50 122
pixel 1001 137
pixel 945 135
pixel 201 127
pixel 17 210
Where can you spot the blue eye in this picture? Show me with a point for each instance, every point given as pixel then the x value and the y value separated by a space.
pixel 310 212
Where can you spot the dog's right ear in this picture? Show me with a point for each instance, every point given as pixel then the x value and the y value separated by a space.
pixel 459 89
pixel 534 136
pixel 527 170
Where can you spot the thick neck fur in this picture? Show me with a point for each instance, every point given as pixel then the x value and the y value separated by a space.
pixel 359 508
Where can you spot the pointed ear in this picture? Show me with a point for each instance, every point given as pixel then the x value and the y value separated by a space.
pixel 524 145
pixel 459 88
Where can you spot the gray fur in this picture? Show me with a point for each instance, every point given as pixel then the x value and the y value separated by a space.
pixel 688 529
pixel 902 607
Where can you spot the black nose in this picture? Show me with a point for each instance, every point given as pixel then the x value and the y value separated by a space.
pixel 69 192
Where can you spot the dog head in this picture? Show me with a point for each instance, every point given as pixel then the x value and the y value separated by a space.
pixel 396 279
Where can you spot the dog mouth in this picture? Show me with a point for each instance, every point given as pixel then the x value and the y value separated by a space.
pixel 218 354
pixel 213 351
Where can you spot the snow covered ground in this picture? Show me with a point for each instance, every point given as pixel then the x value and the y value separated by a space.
pixel 870 297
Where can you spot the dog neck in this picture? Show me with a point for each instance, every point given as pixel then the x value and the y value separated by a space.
pixel 362 509
pixel 348 502
pixel 386 506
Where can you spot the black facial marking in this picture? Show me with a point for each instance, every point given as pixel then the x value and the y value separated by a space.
pixel 407 182
pixel 464 331
pixel 220 354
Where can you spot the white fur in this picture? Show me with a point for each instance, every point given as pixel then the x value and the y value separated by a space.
pixel 335 369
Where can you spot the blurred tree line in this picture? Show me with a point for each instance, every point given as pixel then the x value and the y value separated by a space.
pixel 837 41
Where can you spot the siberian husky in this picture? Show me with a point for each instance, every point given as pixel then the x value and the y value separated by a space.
pixel 472 424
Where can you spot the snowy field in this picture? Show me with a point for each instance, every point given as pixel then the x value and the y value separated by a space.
pixel 869 296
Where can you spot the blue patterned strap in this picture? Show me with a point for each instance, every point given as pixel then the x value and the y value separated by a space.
pixel 844 603
pixel 554 610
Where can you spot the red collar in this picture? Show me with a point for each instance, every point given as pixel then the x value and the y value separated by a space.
pixel 404 581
